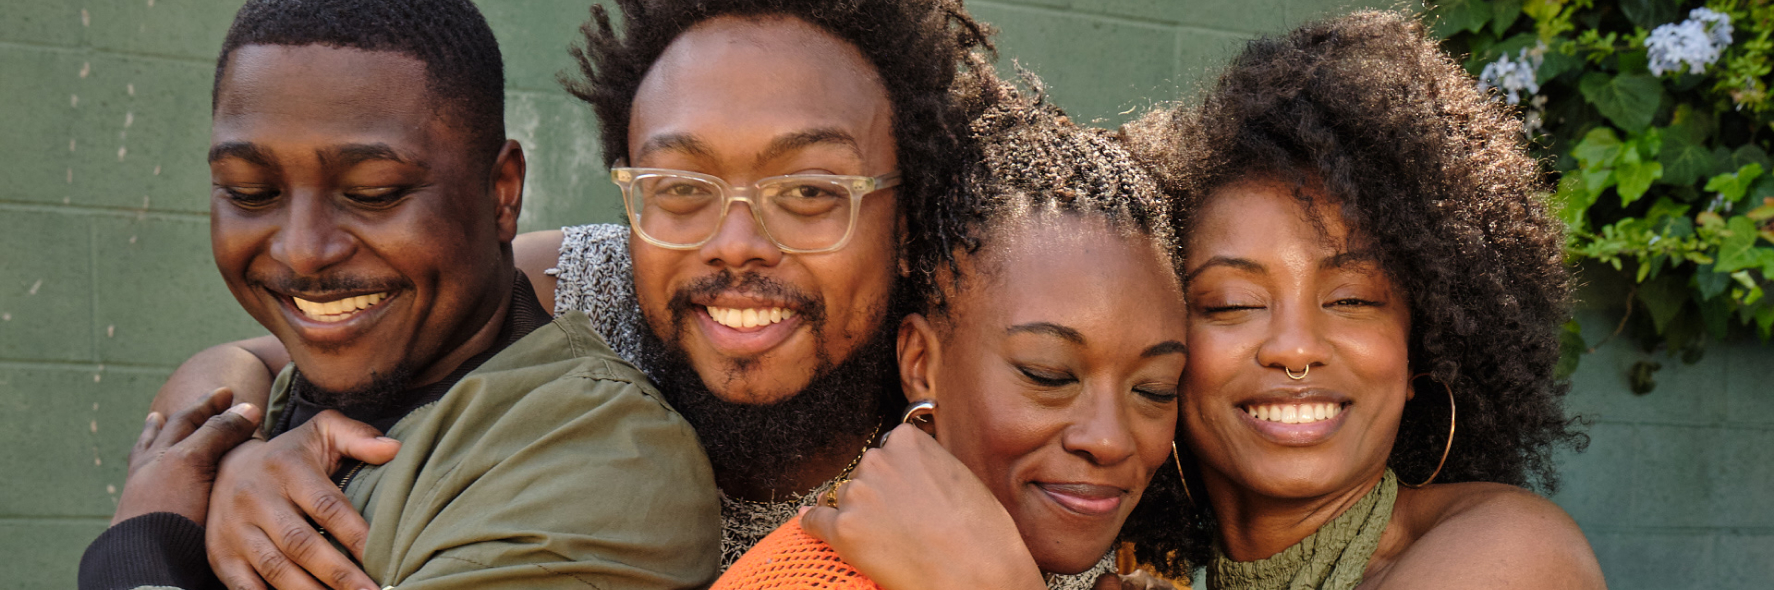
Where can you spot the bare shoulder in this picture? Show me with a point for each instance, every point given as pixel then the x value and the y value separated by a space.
pixel 536 252
pixel 1485 535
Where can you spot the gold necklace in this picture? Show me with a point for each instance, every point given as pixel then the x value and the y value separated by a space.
pixel 842 475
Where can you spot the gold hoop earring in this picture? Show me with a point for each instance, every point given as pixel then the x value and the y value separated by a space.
pixel 1302 375
pixel 1452 415
pixel 1175 456
pixel 923 411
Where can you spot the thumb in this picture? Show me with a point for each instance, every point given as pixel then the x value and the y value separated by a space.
pixel 222 433
pixel 820 522
pixel 355 439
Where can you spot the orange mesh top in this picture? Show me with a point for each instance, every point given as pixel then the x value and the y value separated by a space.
pixel 790 559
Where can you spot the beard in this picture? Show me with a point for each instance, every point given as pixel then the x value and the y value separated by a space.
pixel 374 399
pixel 764 445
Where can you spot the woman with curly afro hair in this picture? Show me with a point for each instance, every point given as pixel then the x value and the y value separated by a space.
pixel 1374 287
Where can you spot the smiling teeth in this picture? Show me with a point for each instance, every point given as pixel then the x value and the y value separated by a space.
pixel 749 318
pixel 333 311
pixel 1294 413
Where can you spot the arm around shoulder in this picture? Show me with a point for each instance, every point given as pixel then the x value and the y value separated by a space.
pixel 536 252
pixel 246 366
pixel 1497 536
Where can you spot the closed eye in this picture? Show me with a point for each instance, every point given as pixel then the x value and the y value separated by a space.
pixel 380 196
pixel 249 197
pixel 1046 378
pixel 1354 302
pixel 1158 394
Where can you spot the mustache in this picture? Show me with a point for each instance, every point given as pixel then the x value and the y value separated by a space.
pixel 811 309
pixel 293 283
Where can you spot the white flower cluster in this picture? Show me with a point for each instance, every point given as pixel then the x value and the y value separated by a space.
pixel 1696 42
pixel 1513 76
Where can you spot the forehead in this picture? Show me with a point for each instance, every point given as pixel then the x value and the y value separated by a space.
pixel 1258 214
pixel 1036 265
pixel 747 80
pixel 314 92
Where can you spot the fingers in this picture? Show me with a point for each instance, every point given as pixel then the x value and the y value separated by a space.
pixel 332 511
pixel 821 522
pixel 220 433
pixel 138 454
pixel 186 421
pixel 309 551
pixel 258 563
pixel 354 439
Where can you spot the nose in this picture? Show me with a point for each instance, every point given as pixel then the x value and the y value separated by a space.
pixel 1295 341
pixel 310 240
pixel 740 241
pixel 1101 432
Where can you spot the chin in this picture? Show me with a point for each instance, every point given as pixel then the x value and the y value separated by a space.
pixel 744 382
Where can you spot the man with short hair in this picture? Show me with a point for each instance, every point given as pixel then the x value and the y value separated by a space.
pixel 365 200
pixel 774 337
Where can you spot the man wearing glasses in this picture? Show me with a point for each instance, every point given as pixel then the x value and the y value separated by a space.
pixel 772 156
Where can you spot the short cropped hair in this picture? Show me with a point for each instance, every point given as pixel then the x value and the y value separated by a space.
pixel 462 62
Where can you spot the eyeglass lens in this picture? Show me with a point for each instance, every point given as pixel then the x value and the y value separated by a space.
pixel 803 213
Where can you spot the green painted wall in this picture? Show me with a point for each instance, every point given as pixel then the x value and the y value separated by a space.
pixel 106 281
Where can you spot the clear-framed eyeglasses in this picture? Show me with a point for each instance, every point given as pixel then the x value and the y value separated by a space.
pixel 800 213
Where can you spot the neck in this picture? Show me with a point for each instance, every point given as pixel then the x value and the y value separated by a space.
pixel 820 467
pixel 1254 526
pixel 480 335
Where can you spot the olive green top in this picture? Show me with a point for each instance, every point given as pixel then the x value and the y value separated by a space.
pixel 1332 558
pixel 555 464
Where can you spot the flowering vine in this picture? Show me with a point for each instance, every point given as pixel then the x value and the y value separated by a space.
pixel 1653 115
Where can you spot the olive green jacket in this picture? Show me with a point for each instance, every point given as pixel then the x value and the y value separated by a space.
pixel 553 465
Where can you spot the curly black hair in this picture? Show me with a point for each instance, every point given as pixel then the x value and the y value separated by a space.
pixel 1367 110
pixel 1025 155
pixel 462 61
pixel 920 49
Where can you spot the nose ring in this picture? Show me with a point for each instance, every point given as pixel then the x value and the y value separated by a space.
pixel 1302 375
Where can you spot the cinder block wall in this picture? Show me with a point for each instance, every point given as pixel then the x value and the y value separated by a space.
pixel 106 281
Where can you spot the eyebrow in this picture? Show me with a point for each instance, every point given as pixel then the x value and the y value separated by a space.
pixel 1163 348
pixel 830 136
pixel 349 155
pixel 1244 264
pixel 1048 328
pixel 677 142
pixel 243 150
pixel 692 146
pixel 1346 259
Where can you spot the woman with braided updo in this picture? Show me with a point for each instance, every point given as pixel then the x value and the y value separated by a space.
pixel 1375 289
pixel 1044 359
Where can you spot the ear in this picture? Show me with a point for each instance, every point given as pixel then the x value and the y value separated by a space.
pixel 508 188
pixel 1410 387
pixel 920 358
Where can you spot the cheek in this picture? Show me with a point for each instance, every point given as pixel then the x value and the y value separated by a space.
pixel 855 284
pixel 653 269
pixel 1154 436
pixel 1217 356
pixel 984 425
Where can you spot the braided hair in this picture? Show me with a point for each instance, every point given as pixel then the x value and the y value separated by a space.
pixel 1024 156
